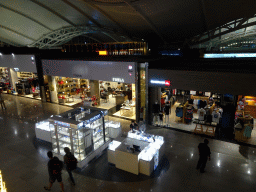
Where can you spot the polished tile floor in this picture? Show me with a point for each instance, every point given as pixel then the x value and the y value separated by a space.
pixel 23 159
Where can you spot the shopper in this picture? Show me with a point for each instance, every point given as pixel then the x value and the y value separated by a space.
pixel 133 125
pixel 71 162
pixel 204 153
pixel 54 169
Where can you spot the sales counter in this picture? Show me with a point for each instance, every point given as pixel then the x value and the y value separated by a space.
pixel 144 160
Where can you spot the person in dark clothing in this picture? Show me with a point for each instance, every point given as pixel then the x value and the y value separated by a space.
pixel 69 170
pixel 133 125
pixel 54 172
pixel 204 153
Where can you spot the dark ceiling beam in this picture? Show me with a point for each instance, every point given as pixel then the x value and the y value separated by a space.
pixel 110 36
pixel 93 38
pixel 28 17
pixel 205 19
pixel 122 29
pixel 83 13
pixel 18 33
pixel 106 3
pixel 145 18
pixel 226 32
pixel 54 12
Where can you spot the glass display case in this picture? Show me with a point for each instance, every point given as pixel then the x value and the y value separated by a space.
pixel 83 131
pixel 42 130
pixel 112 129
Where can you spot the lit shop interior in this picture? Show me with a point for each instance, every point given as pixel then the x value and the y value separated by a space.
pixel 19 83
pixel 184 109
pixel 116 96
pixel 244 119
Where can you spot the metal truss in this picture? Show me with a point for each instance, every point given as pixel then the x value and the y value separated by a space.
pixel 233 32
pixel 63 35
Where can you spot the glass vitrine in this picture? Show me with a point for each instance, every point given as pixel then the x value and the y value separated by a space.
pixel 83 134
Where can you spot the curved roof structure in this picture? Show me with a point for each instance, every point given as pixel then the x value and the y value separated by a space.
pixel 237 34
pixel 50 23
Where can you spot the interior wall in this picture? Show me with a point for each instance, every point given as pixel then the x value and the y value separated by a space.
pixel 217 82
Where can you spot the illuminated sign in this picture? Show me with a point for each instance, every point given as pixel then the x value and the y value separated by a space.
pixel 130 68
pixel 230 55
pixel 16 69
pixel 118 80
pixel 103 53
pixel 166 82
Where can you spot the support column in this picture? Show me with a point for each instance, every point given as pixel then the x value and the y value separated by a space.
pixel 13 78
pixel 53 89
pixel 40 74
pixel 95 89
pixel 154 94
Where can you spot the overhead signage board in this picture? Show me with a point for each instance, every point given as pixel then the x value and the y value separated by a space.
pixel 161 82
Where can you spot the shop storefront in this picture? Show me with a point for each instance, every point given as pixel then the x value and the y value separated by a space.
pixel 101 84
pixel 19 76
pixel 199 102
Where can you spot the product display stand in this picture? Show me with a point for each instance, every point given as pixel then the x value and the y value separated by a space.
pixel 138 153
pixel 83 130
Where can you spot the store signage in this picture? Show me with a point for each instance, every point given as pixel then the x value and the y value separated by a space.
pixel 166 82
pixel 62 124
pixel 130 68
pixel 16 69
pixel 118 80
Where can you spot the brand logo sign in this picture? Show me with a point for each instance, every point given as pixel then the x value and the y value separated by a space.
pixel 16 69
pixel 158 82
pixel 130 68
pixel 118 80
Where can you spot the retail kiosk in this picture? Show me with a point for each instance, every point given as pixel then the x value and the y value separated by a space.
pixel 86 131
pixel 138 153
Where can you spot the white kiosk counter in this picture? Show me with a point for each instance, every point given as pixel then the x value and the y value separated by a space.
pixel 144 160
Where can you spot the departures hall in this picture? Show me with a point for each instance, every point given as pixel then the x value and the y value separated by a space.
pixel 127 96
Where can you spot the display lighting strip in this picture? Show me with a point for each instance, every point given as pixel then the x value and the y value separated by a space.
pixel 166 82
pixel 2 184
pixel 230 55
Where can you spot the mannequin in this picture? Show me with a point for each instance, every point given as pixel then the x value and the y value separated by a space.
pixel 215 116
pixel 201 113
pixel 161 117
pixel 156 110
pixel 167 112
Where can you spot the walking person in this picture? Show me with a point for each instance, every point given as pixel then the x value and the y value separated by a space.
pixel 71 163
pixel 54 168
pixel 204 154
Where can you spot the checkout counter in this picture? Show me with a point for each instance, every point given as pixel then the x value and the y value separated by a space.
pixel 138 153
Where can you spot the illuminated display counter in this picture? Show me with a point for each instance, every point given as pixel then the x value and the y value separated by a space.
pixel 138 153
pixel 83 130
